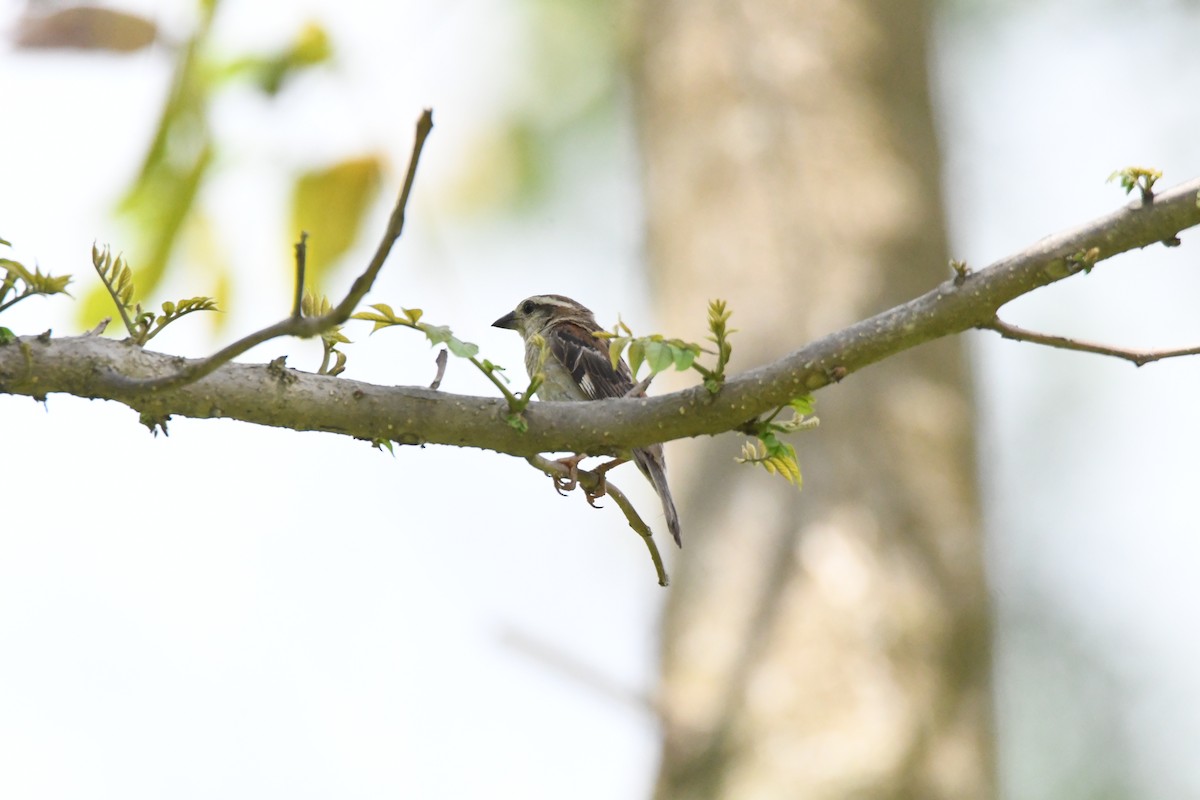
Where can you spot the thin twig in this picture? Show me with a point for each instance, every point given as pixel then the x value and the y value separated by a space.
pixel 326 350
pixel 641 529
pixel 639 388
pixel 301 265
pixel 589 480
pixel 299 325
pixel 100 326
pixel 1138 357
pixel 442 357
pixel 512 400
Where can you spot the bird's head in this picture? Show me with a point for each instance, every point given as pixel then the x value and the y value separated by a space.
pixel 536 314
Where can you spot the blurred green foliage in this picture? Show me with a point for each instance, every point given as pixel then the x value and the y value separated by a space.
pixel 160 203
pixel 572 79
pixel 572 75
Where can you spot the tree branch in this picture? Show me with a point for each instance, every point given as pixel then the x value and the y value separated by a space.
pixel 96 368
pixel 295 324
pixel 1138 357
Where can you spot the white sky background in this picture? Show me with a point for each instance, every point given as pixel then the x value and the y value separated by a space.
pixel 242 612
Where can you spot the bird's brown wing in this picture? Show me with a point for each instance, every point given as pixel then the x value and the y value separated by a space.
pixel 586 357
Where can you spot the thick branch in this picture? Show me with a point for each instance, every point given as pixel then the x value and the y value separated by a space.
pixel 92 367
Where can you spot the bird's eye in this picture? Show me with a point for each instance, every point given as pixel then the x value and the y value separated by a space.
pixel 527 307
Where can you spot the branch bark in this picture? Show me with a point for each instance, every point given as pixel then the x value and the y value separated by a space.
pixel 91 367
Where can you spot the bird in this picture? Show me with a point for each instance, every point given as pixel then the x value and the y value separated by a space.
pixel 577 367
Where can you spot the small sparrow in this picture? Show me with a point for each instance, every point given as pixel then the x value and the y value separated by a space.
pixel 578 367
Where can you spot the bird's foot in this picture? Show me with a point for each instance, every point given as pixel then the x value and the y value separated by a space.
pixel 567 483
pixel 601 488
pixel 597 491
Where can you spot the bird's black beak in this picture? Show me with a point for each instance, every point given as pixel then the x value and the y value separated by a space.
pixel 509 321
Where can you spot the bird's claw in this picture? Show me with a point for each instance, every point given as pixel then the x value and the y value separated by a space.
pixel 597 491
pixel 565 484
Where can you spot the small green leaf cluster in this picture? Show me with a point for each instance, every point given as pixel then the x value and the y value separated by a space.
pixel 718 325
pixel 655 351
pixel 21 282
pixel 315 305
pixel 768 450
pixel 143 326
pixel 659 353
pixel 1140 178
pixel 384 317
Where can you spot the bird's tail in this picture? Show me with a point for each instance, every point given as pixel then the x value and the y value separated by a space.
pixel 654 466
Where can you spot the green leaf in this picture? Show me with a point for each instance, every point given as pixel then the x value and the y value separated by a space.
pixel 339 362
pixel 658 356
pixel 462 349
pixel 330 204
pixel 385 309
pixel 637 354
pixel 17 268
pixel 684 356
pixel 6 335
pixel 803 405
pixel 441 334
pixel 615 347
pixel 383 317
pixel 437 334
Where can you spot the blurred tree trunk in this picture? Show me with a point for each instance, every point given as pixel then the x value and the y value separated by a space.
pixel 831 643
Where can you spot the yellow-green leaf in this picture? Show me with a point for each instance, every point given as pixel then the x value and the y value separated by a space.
pixel 637 354
pixel 17 268
pixel 330 204
pixel 615 348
